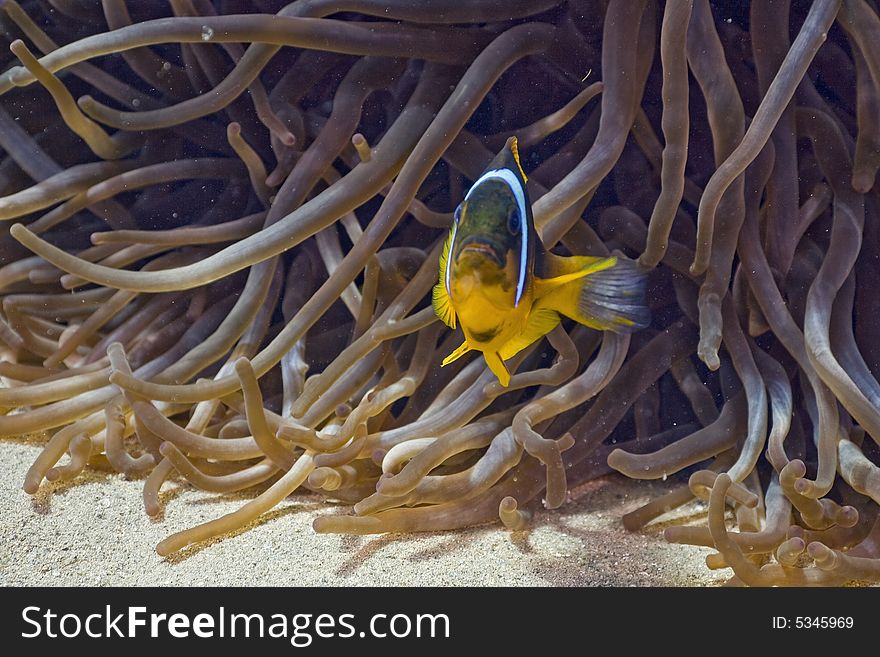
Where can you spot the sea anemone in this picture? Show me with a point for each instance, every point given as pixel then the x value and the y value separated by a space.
pixel 221 223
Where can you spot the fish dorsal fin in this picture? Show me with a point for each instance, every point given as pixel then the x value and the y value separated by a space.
pixel 539 324
pixel 514 148
pixel 591 266
pixel 440 297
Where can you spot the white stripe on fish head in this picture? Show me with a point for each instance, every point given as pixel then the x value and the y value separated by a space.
pixel 449 258
pixel 512 181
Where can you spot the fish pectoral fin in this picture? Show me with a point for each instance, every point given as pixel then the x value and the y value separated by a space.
pixel 565 270
pixel 442 305
pixel 455 355
pixel 540 323
pixel 440 296
pixel 499 369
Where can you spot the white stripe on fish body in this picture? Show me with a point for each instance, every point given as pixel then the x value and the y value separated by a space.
pixel 512 181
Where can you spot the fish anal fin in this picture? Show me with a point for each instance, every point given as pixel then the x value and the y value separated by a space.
pixel 442 305
pixel 499 369
pixel 540 323
pixel 463 348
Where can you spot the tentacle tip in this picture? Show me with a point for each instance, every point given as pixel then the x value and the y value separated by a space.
pixel 798 543
pixel 275 178
pixel 863 181
pixel 115 349
pixel 615 459
pixel 508 504
pixel 565 442
pixel 716 561
pixel 802 486
pixel 19 231
pixel 825 557
pixel 86 103
pixel 788 552
pixel 164 548
pixel 847 516
pixel 709 356
pixel 323 525
pixel 795 469
pixel 317 478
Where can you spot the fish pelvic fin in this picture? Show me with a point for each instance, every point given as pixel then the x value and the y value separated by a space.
pixel 540 322
pixel 463 348
pixel 609 299
pixel 499 369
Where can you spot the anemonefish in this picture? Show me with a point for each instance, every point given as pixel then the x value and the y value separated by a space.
pixel 506 290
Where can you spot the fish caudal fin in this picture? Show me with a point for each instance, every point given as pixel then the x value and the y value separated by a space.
pixel 607 298
pixel 614 299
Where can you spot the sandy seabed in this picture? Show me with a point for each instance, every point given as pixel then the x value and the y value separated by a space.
pixel 94 532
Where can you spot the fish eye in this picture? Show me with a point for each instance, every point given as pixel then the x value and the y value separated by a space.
pixel 513 222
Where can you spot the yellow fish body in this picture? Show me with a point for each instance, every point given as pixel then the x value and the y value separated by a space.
pixel 507 291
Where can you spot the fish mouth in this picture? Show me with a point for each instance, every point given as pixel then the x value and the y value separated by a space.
pixel 481 246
